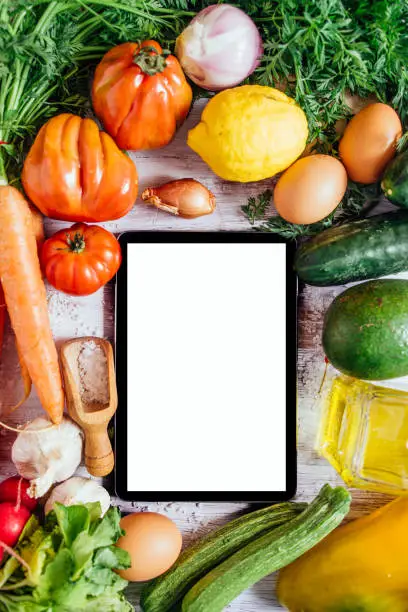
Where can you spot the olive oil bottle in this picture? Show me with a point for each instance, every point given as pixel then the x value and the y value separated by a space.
pixel 364 434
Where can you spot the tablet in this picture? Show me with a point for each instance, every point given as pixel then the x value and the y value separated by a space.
pixel 206 367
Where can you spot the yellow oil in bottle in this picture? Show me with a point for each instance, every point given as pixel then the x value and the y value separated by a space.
pixel 364 435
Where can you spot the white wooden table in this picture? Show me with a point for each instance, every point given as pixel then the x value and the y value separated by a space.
pixel 94 315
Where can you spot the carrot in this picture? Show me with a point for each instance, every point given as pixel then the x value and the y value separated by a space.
pixel 38 229
pixel 26 300
pixel 2 317
pixel 38 226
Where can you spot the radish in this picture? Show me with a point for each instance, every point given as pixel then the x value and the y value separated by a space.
pixel 11 488
pixel 13 518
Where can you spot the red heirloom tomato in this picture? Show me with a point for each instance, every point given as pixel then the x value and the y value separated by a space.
pixel 81 259
pixel 75 172
pixel 141 95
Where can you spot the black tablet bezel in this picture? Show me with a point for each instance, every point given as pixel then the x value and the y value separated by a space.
pixel 121 467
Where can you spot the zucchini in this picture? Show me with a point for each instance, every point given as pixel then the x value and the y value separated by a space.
pixel 269 553
pixel 395 180
pixel 161 594
pixel 355 251
pixel 365 330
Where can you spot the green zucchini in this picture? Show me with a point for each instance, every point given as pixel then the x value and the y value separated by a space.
pixel 365 330
pixel 395 180
pixel 161 594
pixel 355 251
pixel 268 553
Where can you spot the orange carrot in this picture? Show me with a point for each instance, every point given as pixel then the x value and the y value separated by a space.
pixel 26 300
pixel 38 226
pixel 2 317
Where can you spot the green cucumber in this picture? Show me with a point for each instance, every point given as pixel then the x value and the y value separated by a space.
pixel 269 553
pixel 163 592
pixel 395 180
pixel 355 251
pixel 365 331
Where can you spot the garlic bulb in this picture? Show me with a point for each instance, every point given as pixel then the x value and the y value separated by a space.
pixel 49 456
pixel 79 490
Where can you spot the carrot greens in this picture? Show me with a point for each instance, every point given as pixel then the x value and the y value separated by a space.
pixel 47 48
pixel 315 51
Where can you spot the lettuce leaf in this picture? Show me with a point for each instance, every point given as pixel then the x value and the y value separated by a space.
pixel 71 562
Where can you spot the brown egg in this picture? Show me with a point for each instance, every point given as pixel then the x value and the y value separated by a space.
pixel 369 142
pixel 153 543
pixel 310 189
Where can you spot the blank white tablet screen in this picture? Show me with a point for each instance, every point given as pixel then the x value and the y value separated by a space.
pixel 206 367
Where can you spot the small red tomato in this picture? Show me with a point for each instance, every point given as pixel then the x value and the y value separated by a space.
pixel 81 260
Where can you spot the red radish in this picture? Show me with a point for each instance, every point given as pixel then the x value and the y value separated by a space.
pixel 13 518
pixel 10 489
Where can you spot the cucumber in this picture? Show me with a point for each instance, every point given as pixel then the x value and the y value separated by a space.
pixel 355 251
pixel 395 180
pixel 268 553
pixel 365 331
pixel 162 593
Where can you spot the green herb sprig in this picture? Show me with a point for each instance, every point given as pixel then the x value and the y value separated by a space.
pixel 256 207
pixel 358 201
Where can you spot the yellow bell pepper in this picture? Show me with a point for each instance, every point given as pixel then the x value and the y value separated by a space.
pixel 359 567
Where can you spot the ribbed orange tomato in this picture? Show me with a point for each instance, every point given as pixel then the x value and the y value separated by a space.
pixel 75 172
pixel 81 259
pixel 141 95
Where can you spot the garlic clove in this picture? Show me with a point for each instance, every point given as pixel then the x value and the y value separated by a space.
pixel 40 486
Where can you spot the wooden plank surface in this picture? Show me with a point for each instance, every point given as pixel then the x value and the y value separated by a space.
pixel 94 315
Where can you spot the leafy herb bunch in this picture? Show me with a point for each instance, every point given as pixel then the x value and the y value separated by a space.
pixel 314 49
pixel 318 51
pixel 48 49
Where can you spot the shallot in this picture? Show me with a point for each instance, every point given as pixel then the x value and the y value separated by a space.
pixel 186 197
pixel 220 47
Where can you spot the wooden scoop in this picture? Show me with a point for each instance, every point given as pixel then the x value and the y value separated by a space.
pixel 92 416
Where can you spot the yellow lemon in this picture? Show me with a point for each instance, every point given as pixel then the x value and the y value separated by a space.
pixel 249 133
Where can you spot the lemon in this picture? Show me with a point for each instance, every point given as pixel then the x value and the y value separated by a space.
pixel 249 133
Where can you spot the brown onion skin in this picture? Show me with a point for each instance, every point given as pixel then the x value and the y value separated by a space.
pixel 185 198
